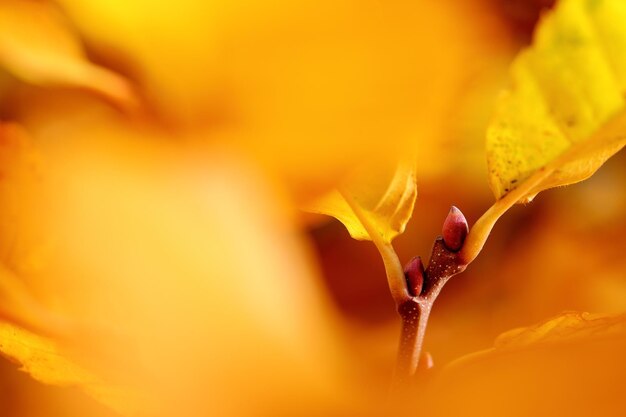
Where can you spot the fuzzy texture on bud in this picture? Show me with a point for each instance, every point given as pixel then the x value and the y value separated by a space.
pixel 414 274
pixel 455 229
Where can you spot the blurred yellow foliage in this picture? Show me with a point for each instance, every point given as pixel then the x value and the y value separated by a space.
pixel 38 46
pixel 153 156
pixel 41 358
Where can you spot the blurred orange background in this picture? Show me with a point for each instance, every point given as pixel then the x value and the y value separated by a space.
pixel 153 156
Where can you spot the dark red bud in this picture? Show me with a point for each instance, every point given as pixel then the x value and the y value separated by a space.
pixel 414 274
pixel 455 229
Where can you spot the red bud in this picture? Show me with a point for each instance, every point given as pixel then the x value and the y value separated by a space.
pixel 455 229
pixel 414 274
pixel 425 362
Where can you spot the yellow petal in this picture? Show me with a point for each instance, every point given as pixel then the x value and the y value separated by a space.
pixel 565 89
pixel 385 198
pixel 38 47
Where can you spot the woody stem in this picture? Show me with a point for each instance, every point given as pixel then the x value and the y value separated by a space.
pixel 415 311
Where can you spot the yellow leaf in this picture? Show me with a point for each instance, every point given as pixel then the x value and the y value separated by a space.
pixel 570 365
pixel 566 327
pixel 38 47
pixel 563 116
pixel 44 361
pixel 379 200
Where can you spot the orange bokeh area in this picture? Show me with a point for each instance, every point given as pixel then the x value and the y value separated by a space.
pixel 154 257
